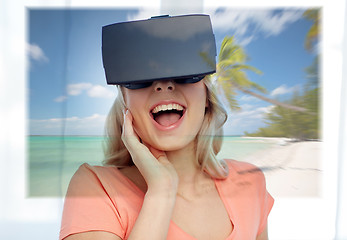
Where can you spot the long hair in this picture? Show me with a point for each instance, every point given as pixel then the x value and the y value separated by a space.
pixel 208 140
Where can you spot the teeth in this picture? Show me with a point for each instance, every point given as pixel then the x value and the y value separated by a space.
pixel 167 107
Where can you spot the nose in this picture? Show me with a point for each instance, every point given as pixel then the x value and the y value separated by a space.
pixel 161 86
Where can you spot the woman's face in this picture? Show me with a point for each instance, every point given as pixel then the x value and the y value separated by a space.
pixel 167 115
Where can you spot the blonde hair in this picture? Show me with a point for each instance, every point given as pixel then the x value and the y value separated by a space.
pixel 208 141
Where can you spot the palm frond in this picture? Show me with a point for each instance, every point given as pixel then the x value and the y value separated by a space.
pixel 313 15
pixel 230 50
pixel 229 94
pixel 311 36
pixel 242 67
pixel 231 76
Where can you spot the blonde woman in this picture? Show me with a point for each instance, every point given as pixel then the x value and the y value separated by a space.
pixel 161 178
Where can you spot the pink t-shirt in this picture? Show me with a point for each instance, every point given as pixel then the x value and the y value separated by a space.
pixel 103 199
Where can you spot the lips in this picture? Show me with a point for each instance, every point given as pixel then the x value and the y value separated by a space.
pixel 167 115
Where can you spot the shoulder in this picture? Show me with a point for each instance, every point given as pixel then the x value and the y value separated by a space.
pixel 88 178
pixel 240 167
pixel 245 188
pixel 93 202
pixel 245 172
pixel 86 171
pixel 247 180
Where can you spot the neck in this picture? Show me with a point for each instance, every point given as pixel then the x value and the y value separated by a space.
pixel 192 179
pixel 185 161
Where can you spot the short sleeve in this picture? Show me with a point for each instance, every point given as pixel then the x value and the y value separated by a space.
pixel 249 201
pixel 88 206
pixel 267 202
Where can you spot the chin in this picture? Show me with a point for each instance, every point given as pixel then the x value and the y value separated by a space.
pixel 173 144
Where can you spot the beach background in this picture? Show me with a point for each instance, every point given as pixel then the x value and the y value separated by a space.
pixel 66 115
pixel 291 168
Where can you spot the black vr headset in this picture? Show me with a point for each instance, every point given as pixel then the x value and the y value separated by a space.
pixel 180 48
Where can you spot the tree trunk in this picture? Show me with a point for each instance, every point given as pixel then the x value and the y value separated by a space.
pixel 273 101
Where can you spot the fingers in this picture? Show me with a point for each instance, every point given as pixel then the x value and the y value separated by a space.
pixel 157 153
pixel 127 123
pixel 152 163
pixel 132 140
pixel 129 136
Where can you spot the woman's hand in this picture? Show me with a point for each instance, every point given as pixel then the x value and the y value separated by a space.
pixel 158 172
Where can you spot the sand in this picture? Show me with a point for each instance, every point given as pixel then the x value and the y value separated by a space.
pixel 292 169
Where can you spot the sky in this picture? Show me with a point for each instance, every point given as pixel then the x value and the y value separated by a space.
pixel 67 88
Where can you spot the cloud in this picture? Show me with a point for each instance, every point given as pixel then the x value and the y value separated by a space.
pixel 94 91
pixel 249 98
pixel 283 89
pixel 275 24
pixel 247 24
pixel 249 119
pixel 98 91
pixel 245 41
pixel 90 125
pixel 60 99
pixel 78 88
pixel 253 113
pixel 246 106
pixel 36 53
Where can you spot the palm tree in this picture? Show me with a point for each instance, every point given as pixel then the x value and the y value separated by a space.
pixel 313 33
pixel 231 76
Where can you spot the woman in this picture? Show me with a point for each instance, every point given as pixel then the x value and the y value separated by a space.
pixel 163 180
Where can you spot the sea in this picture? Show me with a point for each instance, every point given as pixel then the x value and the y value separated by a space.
pixel 52 160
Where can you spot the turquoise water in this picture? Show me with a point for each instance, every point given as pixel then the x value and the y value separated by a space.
pixel 239 147
pixel 54 159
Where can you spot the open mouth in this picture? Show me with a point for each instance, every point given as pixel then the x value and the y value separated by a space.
pixel 167 114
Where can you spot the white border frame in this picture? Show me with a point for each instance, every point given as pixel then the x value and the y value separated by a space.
pixel 293 218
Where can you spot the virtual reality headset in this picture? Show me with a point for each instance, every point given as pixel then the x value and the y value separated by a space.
pixel 160 48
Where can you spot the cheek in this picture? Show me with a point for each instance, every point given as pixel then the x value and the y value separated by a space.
pixel 133 100
pixel 199 104
pixel 199 97
pixel 199 116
